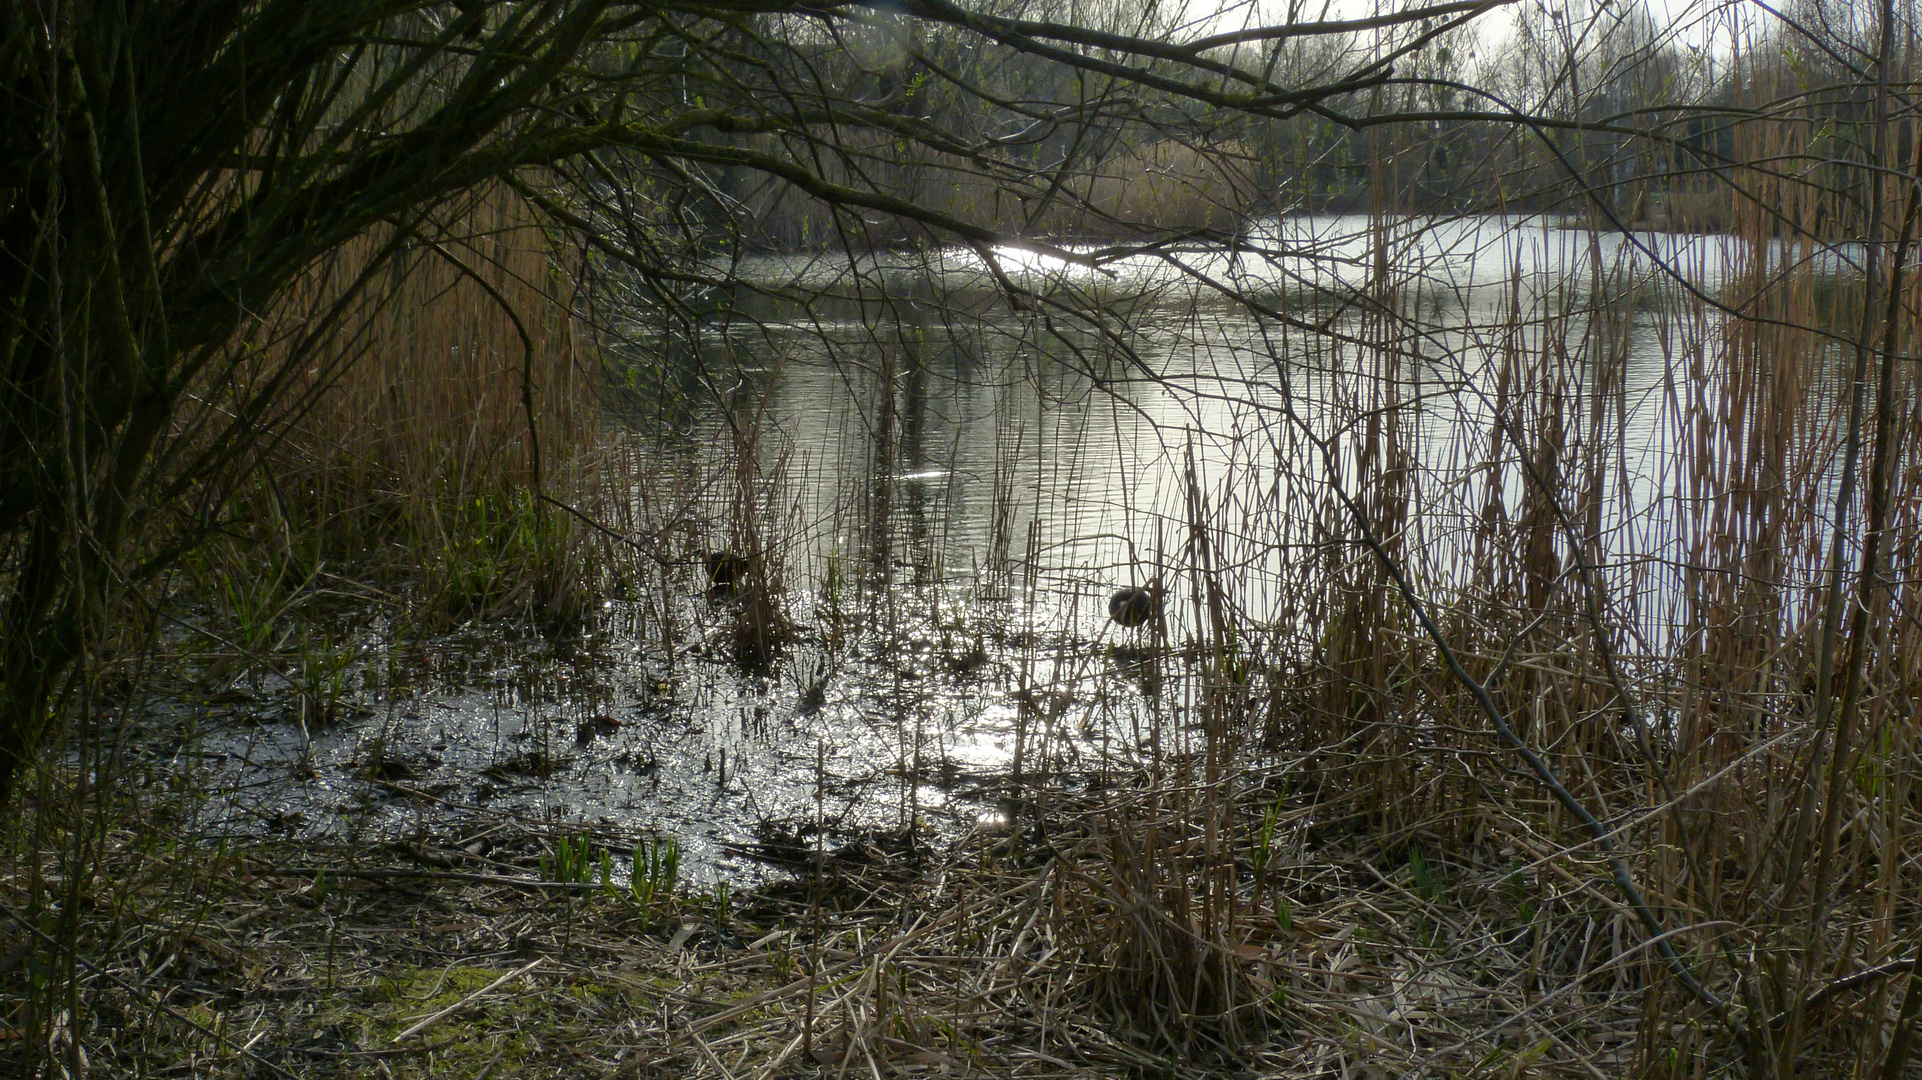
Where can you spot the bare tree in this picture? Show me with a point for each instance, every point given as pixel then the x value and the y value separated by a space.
pixel 170 170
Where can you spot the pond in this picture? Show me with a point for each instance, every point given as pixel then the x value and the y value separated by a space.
pixel 945 487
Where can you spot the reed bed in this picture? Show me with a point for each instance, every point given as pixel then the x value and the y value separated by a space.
pixel 1654 631
pixel 1646 615
pixel 1062 955
pixel 1536 686
pixel 1470 740
pixel 1274 833
pixel 443 437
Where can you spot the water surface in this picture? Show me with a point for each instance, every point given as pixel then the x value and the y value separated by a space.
pixel 948 486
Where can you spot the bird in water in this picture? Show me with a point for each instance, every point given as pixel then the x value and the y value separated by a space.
pixel 728 572
pixel 1135 606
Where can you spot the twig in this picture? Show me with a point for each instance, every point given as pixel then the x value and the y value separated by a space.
pixel 435 875
pixel 431 1019
pixel 1850 982
pixel 136 992
pixel 607 530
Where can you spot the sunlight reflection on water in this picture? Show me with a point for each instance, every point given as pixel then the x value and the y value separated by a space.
pixel 955 487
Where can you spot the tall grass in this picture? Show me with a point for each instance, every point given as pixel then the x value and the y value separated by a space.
pixel 1316 849
pixel 1614 492
pixel 451 421
pixel 427 456
pixel 1649 622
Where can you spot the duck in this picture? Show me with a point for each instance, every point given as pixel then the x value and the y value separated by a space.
pixel 1135 606
pixel 728 572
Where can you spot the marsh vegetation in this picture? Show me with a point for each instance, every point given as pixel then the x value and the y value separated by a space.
pixel 1025 538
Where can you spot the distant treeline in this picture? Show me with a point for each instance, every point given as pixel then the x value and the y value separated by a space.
pixel 1605 112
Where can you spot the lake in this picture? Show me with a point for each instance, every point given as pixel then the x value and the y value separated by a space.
pixel 946 487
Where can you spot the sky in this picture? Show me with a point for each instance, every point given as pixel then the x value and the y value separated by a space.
pixel 1691 22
